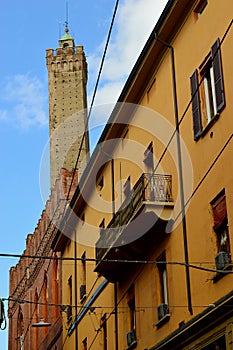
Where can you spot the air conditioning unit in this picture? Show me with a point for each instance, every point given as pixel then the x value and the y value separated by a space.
pixel 162 311
pixel 131 337
pixel 221 260
pixel 82 291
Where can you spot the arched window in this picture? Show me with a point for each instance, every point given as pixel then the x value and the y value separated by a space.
pixel 36 320
pixel 45 303
pixel 20 331
pixel 55 289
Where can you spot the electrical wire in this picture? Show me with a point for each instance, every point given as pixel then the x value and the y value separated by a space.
pixel 188 105
pixel 63 306
pixel 127 261
pixel 204 177
pixel 94 93
pixel 124 261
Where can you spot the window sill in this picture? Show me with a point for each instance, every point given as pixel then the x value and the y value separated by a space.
pixel 220 275
pixel 132 345
pixel 83 299
pixel 163 320
pixel 207 127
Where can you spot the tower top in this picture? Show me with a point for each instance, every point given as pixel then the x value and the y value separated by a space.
pixel 66 40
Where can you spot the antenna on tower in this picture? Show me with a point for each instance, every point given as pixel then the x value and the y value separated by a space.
pixel 66 22
pixel 59 29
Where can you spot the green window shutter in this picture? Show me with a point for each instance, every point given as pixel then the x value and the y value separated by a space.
pixel 218 75
pixel 197 127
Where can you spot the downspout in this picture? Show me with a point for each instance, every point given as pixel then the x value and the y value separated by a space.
pixel 115 284
pixel 75 288
pixel 180 172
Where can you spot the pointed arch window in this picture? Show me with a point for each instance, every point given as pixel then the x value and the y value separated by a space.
pixel 20 330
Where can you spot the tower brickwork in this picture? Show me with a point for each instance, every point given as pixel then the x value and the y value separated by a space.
pixel 67 79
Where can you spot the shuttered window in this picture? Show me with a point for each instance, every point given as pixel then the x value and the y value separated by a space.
pixel 207 90
pixel 218 75
pixel 197 127
pixel 219 212
pixel 220 220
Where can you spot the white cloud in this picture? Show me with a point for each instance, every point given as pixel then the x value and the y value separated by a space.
pixel 133 25
pixel 24 100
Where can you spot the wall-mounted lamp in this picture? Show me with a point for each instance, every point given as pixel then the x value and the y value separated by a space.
pixel 41 323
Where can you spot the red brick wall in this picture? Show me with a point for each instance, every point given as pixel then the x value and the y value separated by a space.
pixel 27 281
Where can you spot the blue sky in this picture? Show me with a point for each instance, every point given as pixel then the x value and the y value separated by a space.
pixel 27 29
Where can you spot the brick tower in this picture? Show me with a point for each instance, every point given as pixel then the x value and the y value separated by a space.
pixel 67 79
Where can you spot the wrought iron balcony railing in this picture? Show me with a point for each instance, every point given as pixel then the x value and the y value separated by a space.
pixel 149 188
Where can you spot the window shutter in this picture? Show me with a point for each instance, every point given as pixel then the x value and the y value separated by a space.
pixel 220 212
pixel 197 127
pixel 218 75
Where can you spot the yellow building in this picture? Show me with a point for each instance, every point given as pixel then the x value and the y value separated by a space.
pixel 150 225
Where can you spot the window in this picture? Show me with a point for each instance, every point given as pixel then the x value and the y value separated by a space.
pixel 102 227
pixel 83 278
pixel 69 307
pixel 45 298
pixel 55 288
pixel 102 224
pixel 84 347
pixel 82 218
pixel 125 137
pixel 200 8
pixel 20 331
pixel 127 188
pixel 148 158
pixel 163 282
pixel 220 219
pixel 207 89
pixel 100 183
pixel 104 331
pixel 132 310
pixel 36 319
pixel 131 334
pixel 219 344
pixel 163 311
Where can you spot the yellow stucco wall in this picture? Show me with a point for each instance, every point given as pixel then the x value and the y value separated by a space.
pixel 191 45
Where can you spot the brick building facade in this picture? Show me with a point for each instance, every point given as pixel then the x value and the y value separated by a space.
pixel 35 282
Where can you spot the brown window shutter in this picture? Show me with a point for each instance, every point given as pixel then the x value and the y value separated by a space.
pixel 197 127
pixel 218 75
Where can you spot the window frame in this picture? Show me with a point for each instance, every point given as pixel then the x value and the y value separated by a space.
pixel 211 65
pixel 222 227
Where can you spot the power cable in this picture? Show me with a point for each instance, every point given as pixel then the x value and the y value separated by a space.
pixel 124 261
pixel 204 177
pixel 94 93
pixel 62 306
pixel 188 105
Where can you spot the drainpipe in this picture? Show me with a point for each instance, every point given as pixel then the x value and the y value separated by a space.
pixel 75 288
pixel 115 284
pixel 180 172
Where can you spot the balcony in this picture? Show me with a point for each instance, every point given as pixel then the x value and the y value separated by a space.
pixel 140 223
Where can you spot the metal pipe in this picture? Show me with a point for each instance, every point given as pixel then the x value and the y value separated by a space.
pixel 116 315
pixel 75 288
pixel 180 171
pixel 113 187
pixel 115 284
